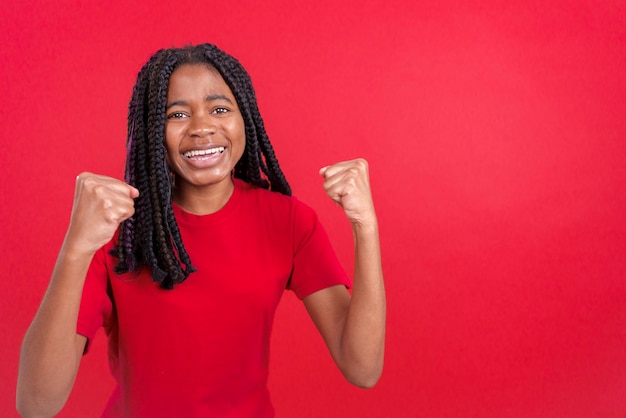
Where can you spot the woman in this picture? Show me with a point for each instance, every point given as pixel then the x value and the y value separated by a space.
pixel 184 263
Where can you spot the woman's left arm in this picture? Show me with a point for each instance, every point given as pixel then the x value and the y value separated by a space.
pixel 354 327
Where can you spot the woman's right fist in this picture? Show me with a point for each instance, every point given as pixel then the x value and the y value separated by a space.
pixel 101 203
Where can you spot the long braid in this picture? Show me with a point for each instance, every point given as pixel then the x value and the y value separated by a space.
pixel 127 250
pixel 156 125
pixel 151 237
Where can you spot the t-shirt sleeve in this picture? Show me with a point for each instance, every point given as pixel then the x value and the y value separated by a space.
pixel 95 306
pixel 315 264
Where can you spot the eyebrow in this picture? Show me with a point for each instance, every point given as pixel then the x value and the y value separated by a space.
pixel 209 98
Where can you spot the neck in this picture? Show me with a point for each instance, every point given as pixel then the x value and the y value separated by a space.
pixel 201 201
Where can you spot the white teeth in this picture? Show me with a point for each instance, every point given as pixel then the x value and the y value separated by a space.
pixel 196 153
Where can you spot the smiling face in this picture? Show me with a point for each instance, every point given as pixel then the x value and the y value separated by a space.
pixel 204 130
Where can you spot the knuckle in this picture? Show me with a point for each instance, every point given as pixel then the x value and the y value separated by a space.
pixel 83 175
pixel 107 203
pixel 90 183
pixel 97 189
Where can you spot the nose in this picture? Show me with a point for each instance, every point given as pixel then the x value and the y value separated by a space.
pixel 201 125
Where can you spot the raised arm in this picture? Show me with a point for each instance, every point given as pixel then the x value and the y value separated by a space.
pixel 354 327
pixel 52 350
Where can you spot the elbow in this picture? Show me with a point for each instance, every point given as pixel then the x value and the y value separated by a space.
pixel 31 406
pixel 365 378
pixel 367 383
pixel 26 407
pixel 33 409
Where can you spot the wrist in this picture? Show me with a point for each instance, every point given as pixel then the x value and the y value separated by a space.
pixel 364 228
pixel 73 251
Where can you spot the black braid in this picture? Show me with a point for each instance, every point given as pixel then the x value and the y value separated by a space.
pixel 151 237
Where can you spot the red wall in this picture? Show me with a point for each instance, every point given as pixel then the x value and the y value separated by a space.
pixel 496 138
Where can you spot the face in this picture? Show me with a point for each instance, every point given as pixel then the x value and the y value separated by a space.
pixel 204 129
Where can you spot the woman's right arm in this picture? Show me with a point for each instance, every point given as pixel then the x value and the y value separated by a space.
pixel 52 350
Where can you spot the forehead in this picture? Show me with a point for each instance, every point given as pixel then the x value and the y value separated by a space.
pixel 190 80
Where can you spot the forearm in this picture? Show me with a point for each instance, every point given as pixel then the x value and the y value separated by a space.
pixel 51 349
pixel 363 338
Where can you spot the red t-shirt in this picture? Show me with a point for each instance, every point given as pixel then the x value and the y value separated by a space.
pixel 202 349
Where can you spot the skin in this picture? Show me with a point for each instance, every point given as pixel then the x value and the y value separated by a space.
pixel 201 114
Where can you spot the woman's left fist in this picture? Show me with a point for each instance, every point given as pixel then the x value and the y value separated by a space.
pixel 348 184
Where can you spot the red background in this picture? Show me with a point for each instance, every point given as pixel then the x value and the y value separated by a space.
pixel 496 137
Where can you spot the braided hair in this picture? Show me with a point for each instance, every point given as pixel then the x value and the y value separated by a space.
pixel 151 237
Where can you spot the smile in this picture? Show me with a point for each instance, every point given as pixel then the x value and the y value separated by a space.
pixel 199 153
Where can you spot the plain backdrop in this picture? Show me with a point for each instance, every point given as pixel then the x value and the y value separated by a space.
pixel 495 132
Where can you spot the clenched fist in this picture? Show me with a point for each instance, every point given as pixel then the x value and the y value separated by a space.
pixel 101 203
pixel 347 183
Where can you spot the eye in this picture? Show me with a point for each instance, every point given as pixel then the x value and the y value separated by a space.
pixel 176 115
pixel 220 110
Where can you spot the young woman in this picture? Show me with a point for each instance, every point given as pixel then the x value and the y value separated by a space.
pixel 184 262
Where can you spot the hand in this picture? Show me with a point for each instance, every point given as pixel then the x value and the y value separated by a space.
pixel 100 204
pixel 347 183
